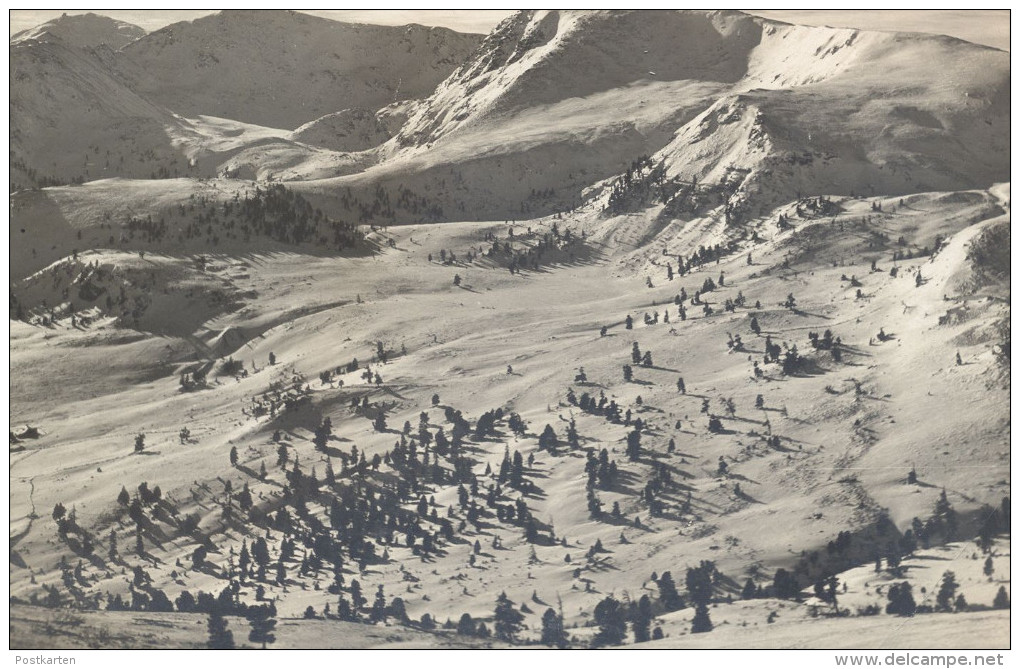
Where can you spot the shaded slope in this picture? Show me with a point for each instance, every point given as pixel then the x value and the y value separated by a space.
pixel 282 69
pixel 83 31
pixel 74 120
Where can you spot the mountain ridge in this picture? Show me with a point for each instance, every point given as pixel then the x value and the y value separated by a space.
pixel 282 69
pixel 524 76
pixel 83 31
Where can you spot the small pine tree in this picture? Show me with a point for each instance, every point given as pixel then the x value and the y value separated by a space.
pixel 901 600
pixel 553 633
pixel 356 596
pixel 220 638
pixel 668 595
pixel 466 625
pixel 378 613
pixel 642 620
pixel 699 582
pixel 321 438
pixel 507 621
pixel 749 591
pixel 634 445
pixel 398 609
pixel 343 609
pixel 233 456
pixel 609 616
pixel 548 440
pixel 1001 599
pixel 262 625
pixel 701 623
pixel 947 591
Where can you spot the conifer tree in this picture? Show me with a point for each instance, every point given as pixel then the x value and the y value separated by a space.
pixel 378 613
pixel 356 596
pixel 506 620
pixel 642 620
pixel 220 638
pixel 901 600
pixel 701 623
pixel 343 609
pixel 668 595
pixel 699 582
pixel 548 441
pixel 262 623
pixel 553 633
pixel 466 625
pixel 947 591
pixel 397 609
pixel 609 616
pixel 517 470
pixel 634 445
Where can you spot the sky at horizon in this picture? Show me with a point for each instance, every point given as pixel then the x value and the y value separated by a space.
pixel 985 26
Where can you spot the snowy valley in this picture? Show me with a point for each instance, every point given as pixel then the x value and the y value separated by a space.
pixel 650 329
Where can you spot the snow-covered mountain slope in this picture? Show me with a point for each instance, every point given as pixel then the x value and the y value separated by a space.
pixel 261 74
pixel 74 120
pixel 347 131
pixel 283 69
pixel 678 289
pixel 902 114
pixel 801 110
pixel 848 430
pixel 84 31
